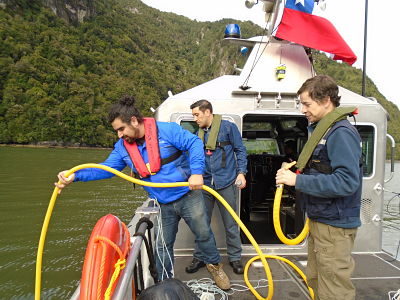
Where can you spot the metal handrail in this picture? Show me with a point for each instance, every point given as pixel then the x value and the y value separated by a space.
pixel 391 157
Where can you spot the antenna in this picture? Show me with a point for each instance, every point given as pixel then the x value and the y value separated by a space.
pixel 274 15
pixel 365 50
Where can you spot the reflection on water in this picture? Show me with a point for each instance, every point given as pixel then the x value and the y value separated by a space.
pixel 26 184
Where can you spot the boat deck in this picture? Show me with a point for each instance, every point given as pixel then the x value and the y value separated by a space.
pixel 374 277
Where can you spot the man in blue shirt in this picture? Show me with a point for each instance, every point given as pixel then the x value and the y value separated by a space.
pixel 176 166
pixel 226 166
pixel 330 191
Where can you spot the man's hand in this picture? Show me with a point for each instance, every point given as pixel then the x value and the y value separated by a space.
pixel 64 181
pixel 196 182
pixel 240 181
pixel 286 177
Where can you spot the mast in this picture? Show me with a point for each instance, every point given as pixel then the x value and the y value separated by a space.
pixel 365 49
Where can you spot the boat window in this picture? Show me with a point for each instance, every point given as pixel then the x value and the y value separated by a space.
pixel 190 126
pixel 261 146
pixel 260 125
pixel 288 124
pixel 367 134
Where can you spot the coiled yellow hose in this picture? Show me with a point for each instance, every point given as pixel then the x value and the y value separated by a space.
pixel 276 216
pixel 260 256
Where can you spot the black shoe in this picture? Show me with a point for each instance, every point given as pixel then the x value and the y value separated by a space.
pixel 194 266
pixel 237 266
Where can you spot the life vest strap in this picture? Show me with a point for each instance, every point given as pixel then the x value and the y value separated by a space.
pixel 325 167
pixel 221 145
pixel 171 158
pixel 164 161
pixel 320 167
pixel 153 151
pixel 212 143
pixel 338 114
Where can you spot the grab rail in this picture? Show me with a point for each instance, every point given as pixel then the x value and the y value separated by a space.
pixel 391 157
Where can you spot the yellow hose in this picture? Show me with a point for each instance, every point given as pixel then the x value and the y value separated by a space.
pixel 276 217
pixel 286 261
pixel 260 256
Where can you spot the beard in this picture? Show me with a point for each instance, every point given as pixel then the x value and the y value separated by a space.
pixel 131 139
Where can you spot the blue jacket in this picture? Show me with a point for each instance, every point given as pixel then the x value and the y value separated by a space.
pixel 171 137
pixel 236 157
pixel 334 198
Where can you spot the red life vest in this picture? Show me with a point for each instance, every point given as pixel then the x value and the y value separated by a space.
pixel 153 151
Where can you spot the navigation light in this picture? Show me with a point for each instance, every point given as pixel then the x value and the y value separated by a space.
pixel 232 31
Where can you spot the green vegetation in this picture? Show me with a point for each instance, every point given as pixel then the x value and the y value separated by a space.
pixel 58 79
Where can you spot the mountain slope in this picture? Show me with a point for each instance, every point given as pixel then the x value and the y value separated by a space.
pixel 58 74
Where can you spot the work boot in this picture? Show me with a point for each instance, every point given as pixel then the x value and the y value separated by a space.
pixel 194 266
pixel 219 276
pixel 237 266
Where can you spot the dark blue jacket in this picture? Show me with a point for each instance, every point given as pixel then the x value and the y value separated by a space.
pixel 171 137
pixel 216 174
pixel 334 198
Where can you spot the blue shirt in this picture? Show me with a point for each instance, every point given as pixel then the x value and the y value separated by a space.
pixel 171 138
pixel 235 157
pixel 341 186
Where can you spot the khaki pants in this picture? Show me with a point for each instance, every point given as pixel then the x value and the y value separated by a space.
pixel 330 264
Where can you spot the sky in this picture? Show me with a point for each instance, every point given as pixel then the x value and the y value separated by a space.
pixel 382 64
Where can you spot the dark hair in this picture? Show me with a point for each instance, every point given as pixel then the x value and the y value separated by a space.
pixel 202 105
pixel 319 87
pixel 124 109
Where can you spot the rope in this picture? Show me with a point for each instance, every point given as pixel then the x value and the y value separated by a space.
pixel 119 265
pixel 394 295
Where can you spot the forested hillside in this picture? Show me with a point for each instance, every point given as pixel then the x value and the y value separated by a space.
pixel 57 76
pixel 57 79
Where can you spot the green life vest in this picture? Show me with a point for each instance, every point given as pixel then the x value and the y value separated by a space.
pixel 339 113
pixel 212 143
pixel 212 138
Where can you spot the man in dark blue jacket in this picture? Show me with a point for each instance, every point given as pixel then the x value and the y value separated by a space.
pixel 175 203
pixel 330 192
pixel 226 166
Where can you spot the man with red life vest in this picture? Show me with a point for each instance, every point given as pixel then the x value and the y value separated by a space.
pixel 157 152
pixel 329 187
pixel 226 166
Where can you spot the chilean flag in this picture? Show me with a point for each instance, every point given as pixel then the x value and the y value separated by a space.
pixel 299 25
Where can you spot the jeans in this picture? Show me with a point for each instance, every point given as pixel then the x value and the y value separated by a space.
pixel 191 208
pixel 233 243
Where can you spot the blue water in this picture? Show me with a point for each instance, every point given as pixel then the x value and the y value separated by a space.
pixel 27 177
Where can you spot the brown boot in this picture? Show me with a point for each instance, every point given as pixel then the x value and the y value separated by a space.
pixel 219 276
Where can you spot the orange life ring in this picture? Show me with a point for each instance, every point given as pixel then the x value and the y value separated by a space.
pixel 101 256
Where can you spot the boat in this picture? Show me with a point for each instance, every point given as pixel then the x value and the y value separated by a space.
pixel 261 100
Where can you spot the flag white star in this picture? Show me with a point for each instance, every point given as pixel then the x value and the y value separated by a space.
pixel 299 1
